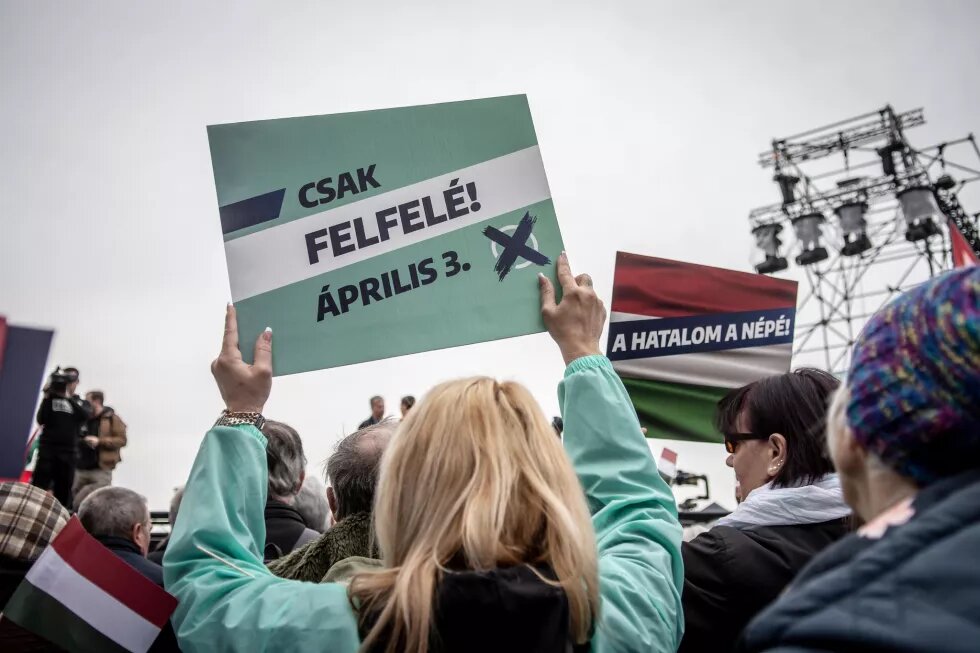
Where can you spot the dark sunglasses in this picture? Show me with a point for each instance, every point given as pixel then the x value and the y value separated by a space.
pixel 732 439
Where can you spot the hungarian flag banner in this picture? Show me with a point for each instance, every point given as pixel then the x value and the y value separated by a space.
pixel 681 336
pixel 82 597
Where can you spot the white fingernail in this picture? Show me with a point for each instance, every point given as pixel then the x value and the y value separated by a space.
pixel 268 329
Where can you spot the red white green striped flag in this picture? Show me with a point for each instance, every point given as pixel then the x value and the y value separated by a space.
pixel 82 597
pixel 31 462
pixel 681 336
pixel 668 465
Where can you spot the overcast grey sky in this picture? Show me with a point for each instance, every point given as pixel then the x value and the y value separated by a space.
pixel 649 116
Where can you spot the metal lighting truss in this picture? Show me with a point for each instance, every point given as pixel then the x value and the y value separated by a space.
pixel 842 291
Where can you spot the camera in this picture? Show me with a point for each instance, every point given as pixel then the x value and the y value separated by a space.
pixel 59 380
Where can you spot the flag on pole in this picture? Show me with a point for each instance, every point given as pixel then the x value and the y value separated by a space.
pixel 963 254
pixel 80 596
pixel 30 461
pixel 668 465
pixel 682 335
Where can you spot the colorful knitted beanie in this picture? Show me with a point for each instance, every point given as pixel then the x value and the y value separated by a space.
pixel 915 380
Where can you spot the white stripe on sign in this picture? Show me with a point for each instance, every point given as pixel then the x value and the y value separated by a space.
pixel 616 316
pixel 280 255
pixel 51 574
pixel 731 368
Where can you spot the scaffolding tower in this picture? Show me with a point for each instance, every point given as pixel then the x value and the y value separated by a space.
pixel 872 216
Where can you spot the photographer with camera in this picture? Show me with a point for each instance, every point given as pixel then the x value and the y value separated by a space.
pixel 62 415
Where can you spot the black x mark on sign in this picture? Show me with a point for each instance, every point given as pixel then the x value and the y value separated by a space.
pixel 515 246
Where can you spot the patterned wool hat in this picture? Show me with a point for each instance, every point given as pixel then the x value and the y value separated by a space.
pixel 29 520
pixel 915 380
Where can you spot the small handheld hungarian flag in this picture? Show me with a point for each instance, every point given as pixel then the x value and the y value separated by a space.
pixel 82 597
pixel 668 465
pixel 31 460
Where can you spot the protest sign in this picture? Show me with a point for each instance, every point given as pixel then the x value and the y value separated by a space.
pixel 24 353
pixel 681 336
pixel 367 235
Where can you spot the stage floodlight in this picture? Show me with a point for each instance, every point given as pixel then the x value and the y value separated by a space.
pixel 946 182
pixel 920 211
pixel 808 232
pixel 854 227
pixel 767 239
pixel 787 187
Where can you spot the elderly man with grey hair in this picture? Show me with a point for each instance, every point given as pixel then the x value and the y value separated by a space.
pixel 120 520
pixel 285 528
pixel 353 474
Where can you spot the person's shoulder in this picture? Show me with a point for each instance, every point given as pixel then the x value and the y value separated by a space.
pixel 307 536
pixel 730 549
pixel 716 538
pixel 804 536
pixel 147 568
pixel 151 570
pixel 711 548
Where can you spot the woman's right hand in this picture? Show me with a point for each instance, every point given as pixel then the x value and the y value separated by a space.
pixel 576 322
pixel 245 388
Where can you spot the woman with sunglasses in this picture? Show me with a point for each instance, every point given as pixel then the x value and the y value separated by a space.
pixel 790 506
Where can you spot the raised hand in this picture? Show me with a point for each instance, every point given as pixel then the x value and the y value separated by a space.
pixel 245 388
pixel 576 322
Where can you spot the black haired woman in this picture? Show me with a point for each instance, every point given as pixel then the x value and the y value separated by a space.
pixel 790 506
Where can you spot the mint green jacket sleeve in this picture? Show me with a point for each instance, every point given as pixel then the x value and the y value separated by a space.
pixel 235 603
pixel 641 572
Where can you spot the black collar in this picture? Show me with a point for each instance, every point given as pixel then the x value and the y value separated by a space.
pixel 279 510
pixel 119 544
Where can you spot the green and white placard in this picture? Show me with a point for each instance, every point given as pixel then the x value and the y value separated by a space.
pixel 373 234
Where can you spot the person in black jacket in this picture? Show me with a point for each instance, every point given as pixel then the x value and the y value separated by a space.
pixel 62 415
pixel 791 506
pixel 285 529
pixel 905 437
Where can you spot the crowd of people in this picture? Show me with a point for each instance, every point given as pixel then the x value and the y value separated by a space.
pixel 467 525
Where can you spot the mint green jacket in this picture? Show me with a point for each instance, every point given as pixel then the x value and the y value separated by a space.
pixel 230 601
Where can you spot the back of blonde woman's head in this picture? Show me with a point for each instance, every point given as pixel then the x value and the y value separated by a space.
pixel 475 474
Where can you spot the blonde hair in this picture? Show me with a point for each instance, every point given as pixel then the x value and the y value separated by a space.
pixel 476 474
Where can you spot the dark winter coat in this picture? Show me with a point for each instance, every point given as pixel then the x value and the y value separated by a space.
pixel 166 641
pixel 285 530
pixel 509 610
pixel 914 589
pixel 128 551
pixel 62 419
pixel 349 537
pixel 731 574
